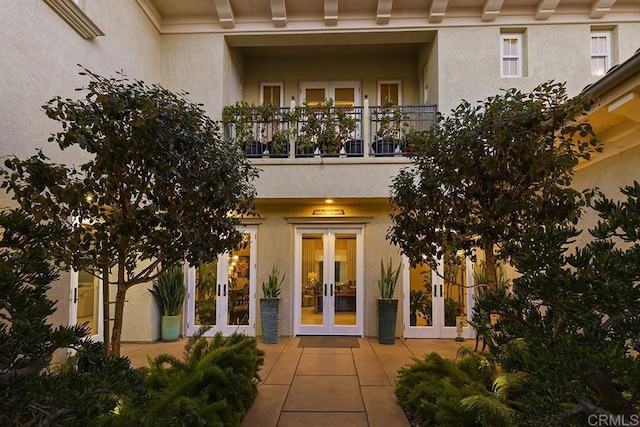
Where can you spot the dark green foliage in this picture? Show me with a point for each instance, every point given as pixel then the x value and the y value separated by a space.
pixel 169 291
pixel 215 383
pixel 158 188
pixel 487 172
pixel 431 389
pixel 80 393
pixel 573 319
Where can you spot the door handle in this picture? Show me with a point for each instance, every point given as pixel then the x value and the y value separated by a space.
pixel 75 295
pixel 332 285
pixel 224 290
pixel 440 291
pixel 218 290
pixel 325 289
pixel 435 291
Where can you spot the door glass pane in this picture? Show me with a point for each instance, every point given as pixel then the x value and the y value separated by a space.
pixel 345 280
pixel 271 93
pixel 345 97
pixel 88 293
pixel 238 284
pixel 455 291
pixel 389 93
pixel 206 296
pixel 315 97
pixel 420 296
pixel 312 289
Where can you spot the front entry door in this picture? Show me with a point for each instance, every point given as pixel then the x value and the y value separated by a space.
pixel 433 301
pixel 221 294
pixel 328 282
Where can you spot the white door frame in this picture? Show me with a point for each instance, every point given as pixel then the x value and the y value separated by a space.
pixel 329 89
pixel 438 328
pixel 328 327
pixel 73 305
pixel 223 293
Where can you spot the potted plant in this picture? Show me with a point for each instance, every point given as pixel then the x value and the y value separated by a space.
pixel 387 304
pixel 270 306
pixel 169 292
pixel 419 305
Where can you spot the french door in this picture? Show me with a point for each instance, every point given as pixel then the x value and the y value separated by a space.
pixel 86 303
pixel 221 294
pixel 435 300
pixel 328 285
pixel 343 93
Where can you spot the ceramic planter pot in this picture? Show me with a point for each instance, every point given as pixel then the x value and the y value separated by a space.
pixel 270 316
pixel 387 315
pixel 171 327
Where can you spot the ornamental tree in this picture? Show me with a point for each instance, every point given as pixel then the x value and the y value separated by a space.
pixel 485 173
pixel 570 330
pixel 161 185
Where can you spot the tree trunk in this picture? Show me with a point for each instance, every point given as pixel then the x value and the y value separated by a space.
pixel 117 320
pixel 490 265
pixel 106 309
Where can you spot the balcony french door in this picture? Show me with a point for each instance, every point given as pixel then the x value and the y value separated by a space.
pixel 328 294
pixel 343 93
pixel 221 294
pixel 433 301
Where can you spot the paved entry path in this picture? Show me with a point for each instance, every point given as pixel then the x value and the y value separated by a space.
pixel 335 386
pixel 328 387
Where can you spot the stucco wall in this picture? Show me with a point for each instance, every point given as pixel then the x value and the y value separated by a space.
pixel 469 59
pixel 39 56
pixel 609 176
pixel 275 245
pixel 194 63
pixel 367 69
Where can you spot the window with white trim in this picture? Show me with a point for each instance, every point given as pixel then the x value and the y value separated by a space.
pixel 511 55
pixel 389 92
pixel 271 92
pixel 600 52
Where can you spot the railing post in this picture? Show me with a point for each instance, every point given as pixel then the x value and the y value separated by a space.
pixel 366 128
pixel 292 126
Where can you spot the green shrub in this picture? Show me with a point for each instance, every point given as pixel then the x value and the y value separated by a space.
pixel 433 390
pixel 215 383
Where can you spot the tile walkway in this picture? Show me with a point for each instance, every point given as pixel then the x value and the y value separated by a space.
pixel 324 386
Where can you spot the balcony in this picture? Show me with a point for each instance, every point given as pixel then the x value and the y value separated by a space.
pixel 268 131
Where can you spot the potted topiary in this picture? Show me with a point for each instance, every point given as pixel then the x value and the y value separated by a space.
pixel 387 304
pixel 270 306
pixel 169 292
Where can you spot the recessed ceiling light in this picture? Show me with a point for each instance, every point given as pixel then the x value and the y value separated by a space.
pixel 328 201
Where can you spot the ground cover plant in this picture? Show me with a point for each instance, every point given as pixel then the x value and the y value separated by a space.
pixel 214 384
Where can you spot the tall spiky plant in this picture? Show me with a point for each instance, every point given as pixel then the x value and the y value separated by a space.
pixel 271 288
pixel 169 291
pixel 388 279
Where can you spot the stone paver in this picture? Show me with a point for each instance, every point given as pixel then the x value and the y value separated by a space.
pixel 324 386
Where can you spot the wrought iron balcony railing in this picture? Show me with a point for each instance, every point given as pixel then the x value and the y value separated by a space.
pixel 326 131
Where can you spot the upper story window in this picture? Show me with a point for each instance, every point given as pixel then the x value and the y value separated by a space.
pixel 600 52
pixel 389 92
pixel 271 92
pixel 511 56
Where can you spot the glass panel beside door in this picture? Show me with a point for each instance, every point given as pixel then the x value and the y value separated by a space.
pixel 434 301
pixel 222 293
